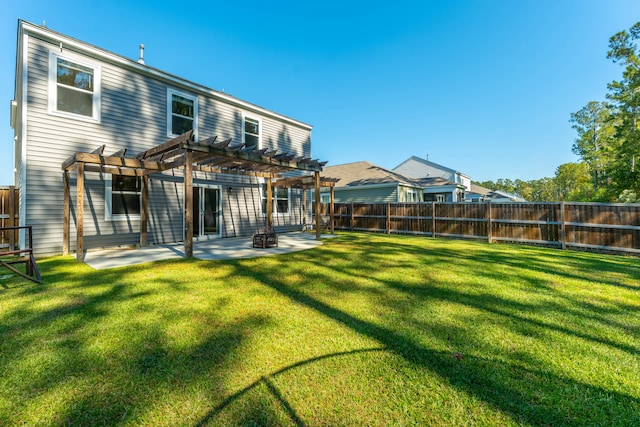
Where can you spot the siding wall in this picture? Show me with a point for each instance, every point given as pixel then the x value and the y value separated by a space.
pixel 367 195
pixel 133 116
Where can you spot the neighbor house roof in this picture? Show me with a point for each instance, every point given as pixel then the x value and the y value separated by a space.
pixel 436 182
pixel 479 190
pixel 494 194
pixel 432 164
pixel 365 173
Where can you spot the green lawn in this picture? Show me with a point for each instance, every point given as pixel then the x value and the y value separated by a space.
pixel 365 330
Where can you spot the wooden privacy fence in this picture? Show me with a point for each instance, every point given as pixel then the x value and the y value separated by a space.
pixel 9 217
pixel 594 226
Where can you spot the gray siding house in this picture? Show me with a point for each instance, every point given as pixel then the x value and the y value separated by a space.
pixel 363 182
pixel 71 96
pixel 457 182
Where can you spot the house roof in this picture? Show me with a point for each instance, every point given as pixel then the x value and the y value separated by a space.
pixel 72 44
pixel 494 194
pixel 436 182
pixel 364 173
pixel 430 163
pixel 479 189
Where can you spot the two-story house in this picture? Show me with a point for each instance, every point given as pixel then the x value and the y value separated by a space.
pixel 71 96
pixel 440 183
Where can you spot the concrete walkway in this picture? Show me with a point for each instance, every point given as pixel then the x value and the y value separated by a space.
pixel 217 249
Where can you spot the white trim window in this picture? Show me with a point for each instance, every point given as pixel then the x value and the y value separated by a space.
pixel 122 197
pixel 440 198
pixel 74 87
pixel 182 113
pixel 251 132
pixel 411 196
pixel 281 200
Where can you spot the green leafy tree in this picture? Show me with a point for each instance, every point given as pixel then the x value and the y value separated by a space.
pixel 625 94
pixel 572 183
pixel 595 124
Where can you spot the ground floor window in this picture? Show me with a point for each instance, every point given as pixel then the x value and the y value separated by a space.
pixel 281 200
pixel 122 196
pixel 411 196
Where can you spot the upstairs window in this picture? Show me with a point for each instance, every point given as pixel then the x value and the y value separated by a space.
pixel 123 197
pixel 182 113
pixel 251 132
pixel 74 88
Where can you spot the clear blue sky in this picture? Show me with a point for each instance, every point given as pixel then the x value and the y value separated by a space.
pixel 485 87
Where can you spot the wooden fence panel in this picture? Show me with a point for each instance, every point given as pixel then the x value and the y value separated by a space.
pixel 537 223
pixel 9 217
pixel 464 220
pixel 410 218
pixel 598 226
pixel 603 226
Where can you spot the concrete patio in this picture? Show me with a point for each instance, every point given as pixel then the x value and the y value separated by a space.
pixel 217 249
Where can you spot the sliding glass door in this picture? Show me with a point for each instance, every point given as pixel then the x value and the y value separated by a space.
pixel 206 212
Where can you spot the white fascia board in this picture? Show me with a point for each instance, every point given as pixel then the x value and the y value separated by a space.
pixel 101 54
pixel 367 187
pixel 358 187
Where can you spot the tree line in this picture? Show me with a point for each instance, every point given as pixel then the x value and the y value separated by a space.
pixel 607 141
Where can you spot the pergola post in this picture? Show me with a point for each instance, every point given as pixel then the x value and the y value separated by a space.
pixel 144 211
pixel 316 176
pixel 304 209
pixel 65 228
pixel 188 204
pixel 11 221
pixel 80 214
pixel 269 204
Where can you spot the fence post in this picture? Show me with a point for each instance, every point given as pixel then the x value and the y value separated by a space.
pixel 332 210
pixel 12 217
pixel 388 218
pixel 563 231
pixel 433 219
pixel 352 220
pixel 489 226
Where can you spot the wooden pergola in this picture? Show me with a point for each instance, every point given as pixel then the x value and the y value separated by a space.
pixel 308 182
pixel 206 155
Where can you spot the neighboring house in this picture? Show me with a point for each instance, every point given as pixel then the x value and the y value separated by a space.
pixel 71 97
pixel 363 182
pixel 482 194
pixel 441 190
pixel 449 183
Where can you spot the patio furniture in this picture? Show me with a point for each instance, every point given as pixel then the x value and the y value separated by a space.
pixel 265 238
pixel 18 256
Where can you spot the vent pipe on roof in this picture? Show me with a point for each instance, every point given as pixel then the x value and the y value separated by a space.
pixel 141 60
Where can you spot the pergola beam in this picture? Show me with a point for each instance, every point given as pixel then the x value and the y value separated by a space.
pixel 125 162
pixel 167 146
pixel 250 156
